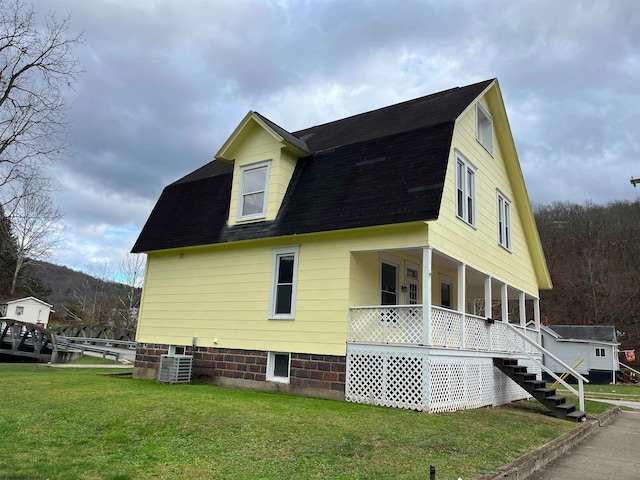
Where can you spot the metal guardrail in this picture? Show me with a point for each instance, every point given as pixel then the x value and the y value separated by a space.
pixel 62 340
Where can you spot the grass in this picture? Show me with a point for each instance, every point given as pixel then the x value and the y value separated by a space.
pixel 77 424
pixel 92 360
pixel 611 392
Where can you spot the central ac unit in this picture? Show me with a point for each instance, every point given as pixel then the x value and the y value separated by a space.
pixel 175 369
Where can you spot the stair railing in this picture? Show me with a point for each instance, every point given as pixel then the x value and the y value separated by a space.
pixel 581 380
pixel 632 369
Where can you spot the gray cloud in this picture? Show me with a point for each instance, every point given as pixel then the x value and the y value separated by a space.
pixel 166 82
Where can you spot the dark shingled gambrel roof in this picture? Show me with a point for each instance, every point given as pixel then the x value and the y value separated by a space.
pixel 382 167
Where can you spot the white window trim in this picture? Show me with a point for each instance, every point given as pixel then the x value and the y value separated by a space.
pixel 483 114
pixel 468 168
pixel 243 170
pixel 503 205
pixel 276 254
pixel 600 352
pixel 271 364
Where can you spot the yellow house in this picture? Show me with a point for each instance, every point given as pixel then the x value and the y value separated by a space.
pixel 354 259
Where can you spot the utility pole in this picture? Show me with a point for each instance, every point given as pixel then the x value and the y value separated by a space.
pixel 634 182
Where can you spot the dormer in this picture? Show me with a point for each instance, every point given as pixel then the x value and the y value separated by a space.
pixel 264 157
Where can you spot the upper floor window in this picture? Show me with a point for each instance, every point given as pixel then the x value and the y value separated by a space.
pixel 484 127
pixel 252 201
pixel 19 310
pixel 600 352
pixel 284 282
pixel 465 190
pixel 504 221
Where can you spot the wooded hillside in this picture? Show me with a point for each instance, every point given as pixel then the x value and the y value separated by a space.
pixel 593 254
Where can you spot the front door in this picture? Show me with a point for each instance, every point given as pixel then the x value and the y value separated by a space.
pixel 412 285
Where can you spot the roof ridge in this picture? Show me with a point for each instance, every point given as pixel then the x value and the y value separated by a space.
pixel 394 105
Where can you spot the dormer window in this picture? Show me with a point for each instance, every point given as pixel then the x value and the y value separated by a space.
pixel 252 201
pixel 484 127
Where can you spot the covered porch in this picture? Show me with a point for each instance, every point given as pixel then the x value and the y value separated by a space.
pixel 428 336
pixel 427 298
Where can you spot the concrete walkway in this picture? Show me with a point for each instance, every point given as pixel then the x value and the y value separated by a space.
pixel 613 451
pixel 619 403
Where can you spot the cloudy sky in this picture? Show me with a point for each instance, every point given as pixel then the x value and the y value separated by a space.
pixel 166 83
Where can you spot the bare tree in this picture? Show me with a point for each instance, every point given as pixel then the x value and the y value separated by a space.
pixel 35 225
pixel 131 270
pixel 37 67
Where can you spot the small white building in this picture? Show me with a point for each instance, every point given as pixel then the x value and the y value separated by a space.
pixel 592 350
pixel 29 309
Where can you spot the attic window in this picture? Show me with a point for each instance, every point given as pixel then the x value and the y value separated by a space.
pixel 484 127
pixel 19 310
pixel 252 200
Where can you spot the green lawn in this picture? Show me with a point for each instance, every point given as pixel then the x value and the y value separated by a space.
pixel 93 360
pixel 611 392
pixel 81 424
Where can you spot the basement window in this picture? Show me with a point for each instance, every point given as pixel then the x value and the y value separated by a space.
pixel 278 365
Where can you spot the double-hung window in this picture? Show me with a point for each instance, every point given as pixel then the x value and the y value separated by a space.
pixel 465 190
pixel 284 282
pixel 278 366
pixel 252 199
pixel 504 221
pixel 484 127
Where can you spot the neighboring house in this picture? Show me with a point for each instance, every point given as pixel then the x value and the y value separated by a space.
pixel 29 309
pixel 591 349
pixel 352 259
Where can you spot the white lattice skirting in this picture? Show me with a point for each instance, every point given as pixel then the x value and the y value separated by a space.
pixel 412 378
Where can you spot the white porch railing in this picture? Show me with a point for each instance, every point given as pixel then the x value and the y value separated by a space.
pixel 402 325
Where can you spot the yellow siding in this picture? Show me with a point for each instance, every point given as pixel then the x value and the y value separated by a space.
pixel 220 293
pixel 479 247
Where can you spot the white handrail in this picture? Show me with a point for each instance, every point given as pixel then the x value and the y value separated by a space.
pixel 632 369
pixel 577 376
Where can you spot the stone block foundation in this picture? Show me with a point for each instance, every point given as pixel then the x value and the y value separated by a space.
pixel 310 374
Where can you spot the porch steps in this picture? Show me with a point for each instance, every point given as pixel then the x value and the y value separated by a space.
pixel 557 404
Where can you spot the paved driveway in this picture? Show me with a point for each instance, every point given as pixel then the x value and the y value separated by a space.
pixel 611 452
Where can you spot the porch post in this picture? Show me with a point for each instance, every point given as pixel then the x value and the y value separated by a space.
pixel 427 254
pixel 523 313
pixel 536 318
pixel 487 307
pixel 487 297
pixel 505 303
pixel 462 295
